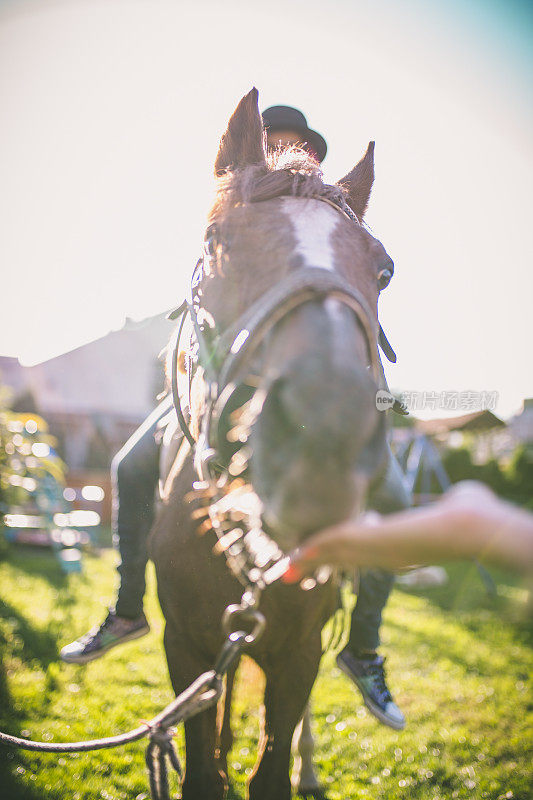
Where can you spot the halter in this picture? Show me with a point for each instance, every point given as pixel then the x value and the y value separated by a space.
pixel 251 554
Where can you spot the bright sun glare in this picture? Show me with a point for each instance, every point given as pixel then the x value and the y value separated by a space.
pixel 112 112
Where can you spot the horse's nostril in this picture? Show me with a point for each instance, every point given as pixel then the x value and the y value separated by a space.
pixel 335 411
pixel 278 406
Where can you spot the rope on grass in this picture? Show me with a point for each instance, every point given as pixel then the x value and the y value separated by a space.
pixel 203 693
pixel 76 747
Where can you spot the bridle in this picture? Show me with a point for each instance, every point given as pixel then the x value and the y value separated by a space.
pixel 252 555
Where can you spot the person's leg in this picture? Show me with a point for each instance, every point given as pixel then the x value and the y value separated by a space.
pixel 134 474
pixel 135 471
pixel 375 584
pixel 374 588
pixel 359 659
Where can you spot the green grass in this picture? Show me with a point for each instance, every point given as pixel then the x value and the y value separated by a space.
pixel 458 663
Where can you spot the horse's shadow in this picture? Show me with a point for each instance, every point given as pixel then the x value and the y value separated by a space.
pixel 12 784
pixel 36 645
pixel 39 563
pixel 33 645
pixel 13 788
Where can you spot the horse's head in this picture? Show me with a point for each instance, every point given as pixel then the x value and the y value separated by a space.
pixel 289 290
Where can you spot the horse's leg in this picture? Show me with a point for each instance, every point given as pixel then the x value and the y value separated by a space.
pixel 225 736
pixel 203 778
pixel 304 779
pixel 288 685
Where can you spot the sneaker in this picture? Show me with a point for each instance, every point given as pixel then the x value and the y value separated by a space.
pixel 114 630
pixel 369 677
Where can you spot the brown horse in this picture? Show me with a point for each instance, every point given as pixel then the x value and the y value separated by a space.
pixel 314 444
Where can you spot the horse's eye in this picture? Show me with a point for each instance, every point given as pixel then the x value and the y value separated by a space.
pixel 384 277
pixel 211 240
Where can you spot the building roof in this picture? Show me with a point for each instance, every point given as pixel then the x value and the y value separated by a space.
pixel 118 374
pixel 478 421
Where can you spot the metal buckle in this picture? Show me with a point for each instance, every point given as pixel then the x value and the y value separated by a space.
pixel 234 614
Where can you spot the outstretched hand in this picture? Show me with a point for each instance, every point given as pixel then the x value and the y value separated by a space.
pixel 468 521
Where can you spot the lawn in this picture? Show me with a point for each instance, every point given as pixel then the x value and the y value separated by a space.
pixel 458 662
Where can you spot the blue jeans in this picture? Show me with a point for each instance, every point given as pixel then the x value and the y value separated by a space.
pixel 375 584
pixel 134 474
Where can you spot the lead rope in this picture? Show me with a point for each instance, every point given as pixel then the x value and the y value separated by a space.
pixel 159 749
pixel 203 693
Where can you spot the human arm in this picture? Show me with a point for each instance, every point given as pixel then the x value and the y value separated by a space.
pixel 469 521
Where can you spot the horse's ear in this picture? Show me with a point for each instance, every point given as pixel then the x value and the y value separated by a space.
pixel 358 182
pixel 242 144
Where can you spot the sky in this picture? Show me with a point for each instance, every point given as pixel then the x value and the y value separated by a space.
pixel 111 115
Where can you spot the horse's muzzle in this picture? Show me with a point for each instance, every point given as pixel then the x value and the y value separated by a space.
pixel 315 449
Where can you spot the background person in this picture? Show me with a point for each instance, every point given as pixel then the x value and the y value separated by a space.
pixel 286 125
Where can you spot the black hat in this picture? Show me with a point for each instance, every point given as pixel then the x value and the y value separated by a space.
pixel 277 118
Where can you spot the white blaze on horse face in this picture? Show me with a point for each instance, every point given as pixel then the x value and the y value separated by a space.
pixel 313 223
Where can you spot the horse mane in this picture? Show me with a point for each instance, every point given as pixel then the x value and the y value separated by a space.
pixel 289 171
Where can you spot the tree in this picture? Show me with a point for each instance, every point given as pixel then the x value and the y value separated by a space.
pixel 30 469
